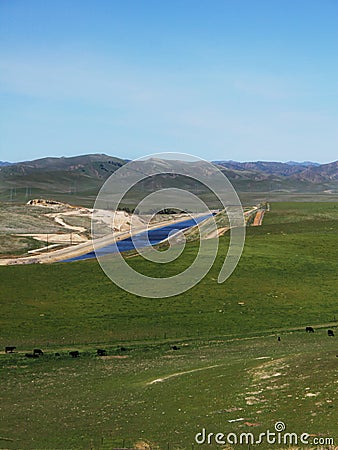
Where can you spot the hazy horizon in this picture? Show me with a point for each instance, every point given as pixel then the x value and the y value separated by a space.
pixel 128 158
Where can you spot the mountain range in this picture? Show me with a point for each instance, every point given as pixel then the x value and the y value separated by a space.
pixel 312 172
pixel 84 175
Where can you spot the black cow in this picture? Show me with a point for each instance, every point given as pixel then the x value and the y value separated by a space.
pixel 31 355
pixel 174 347
pixel 330 333
pixel 9 349
pixel 309 330
pixel 74 354
pixel 57 354
pixel 123 349
pixel 101 352
pixel 278 338
pixel 38 351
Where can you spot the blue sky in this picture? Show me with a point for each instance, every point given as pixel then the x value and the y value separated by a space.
pixel 232 79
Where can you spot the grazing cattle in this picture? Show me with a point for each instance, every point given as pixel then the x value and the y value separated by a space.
pixel 74 354
pixel 57 354
pixel 9 349
pixel 309 330
pixel 278 338
pixel 101 352
pixel 31 355
pixel 123 349
pixel 38 351
pixel 330 333
pixel 174 347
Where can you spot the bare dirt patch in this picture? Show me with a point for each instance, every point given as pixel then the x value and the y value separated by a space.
pixel 178 374
pixel 115 357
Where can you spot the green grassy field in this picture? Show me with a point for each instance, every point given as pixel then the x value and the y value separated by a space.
pixel 285 281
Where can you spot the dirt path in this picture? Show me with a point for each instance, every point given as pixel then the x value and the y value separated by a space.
pixel 258 218
pixel 61 222
pixel 217 233
pixel 178 374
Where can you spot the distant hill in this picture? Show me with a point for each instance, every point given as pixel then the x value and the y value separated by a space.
pixel 269 167
pixel 304 163
pixel 5 163
pixel 58 178
pixel 96 165
pixel 320 176
pixel 78 179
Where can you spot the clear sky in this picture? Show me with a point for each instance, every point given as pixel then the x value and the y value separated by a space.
pixel 222 79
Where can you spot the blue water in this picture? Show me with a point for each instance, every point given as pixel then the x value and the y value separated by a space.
pixel 140 240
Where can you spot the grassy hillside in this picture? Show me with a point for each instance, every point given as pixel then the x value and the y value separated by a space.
pixel 287 271
pixel 112 402
pixel 285 281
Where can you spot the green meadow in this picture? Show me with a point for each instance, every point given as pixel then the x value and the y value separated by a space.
pixel 229 374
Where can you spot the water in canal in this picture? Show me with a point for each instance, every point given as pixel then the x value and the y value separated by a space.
pixel 140 240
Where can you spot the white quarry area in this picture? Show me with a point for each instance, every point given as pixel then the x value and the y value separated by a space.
pixel 118 221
